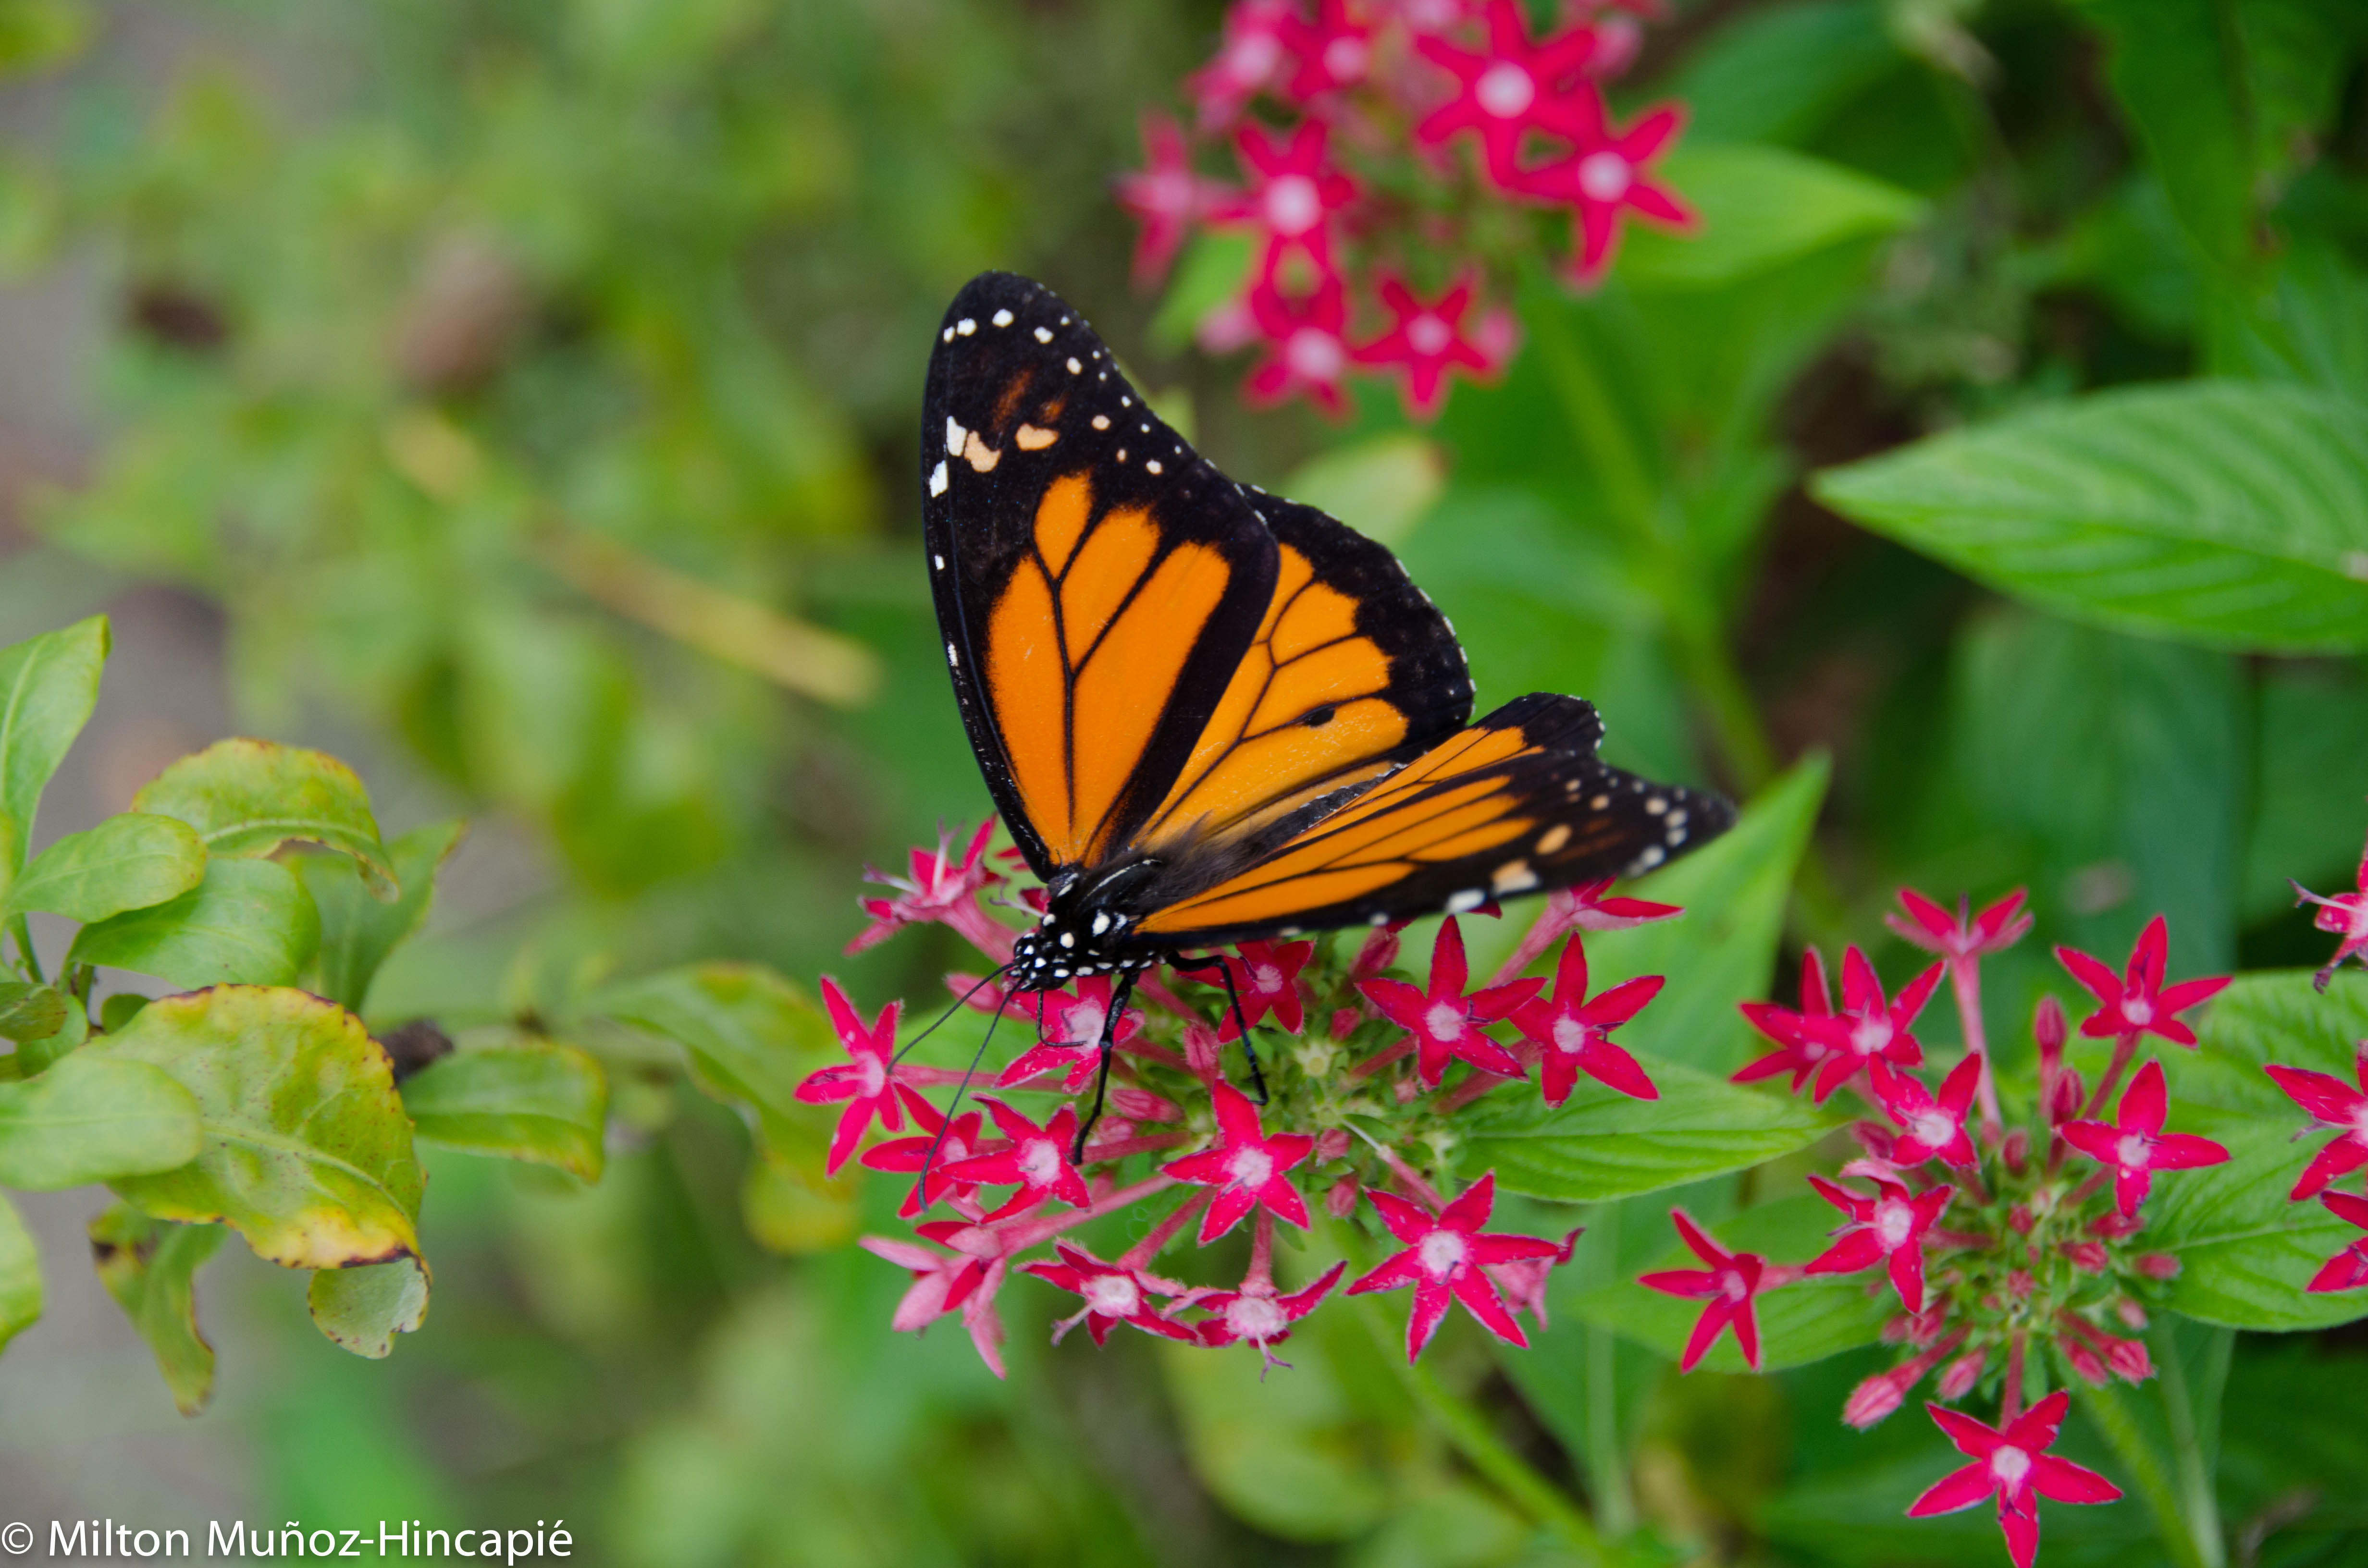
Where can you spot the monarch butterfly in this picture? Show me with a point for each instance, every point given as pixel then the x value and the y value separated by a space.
pixel 1208 714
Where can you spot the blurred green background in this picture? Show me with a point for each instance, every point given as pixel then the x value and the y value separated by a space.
pixel 516 400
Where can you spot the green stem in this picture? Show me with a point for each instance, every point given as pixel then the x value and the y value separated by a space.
pixel 2145 1472
pixel 2203 1505
pixel 1606 1474
pixel 23 931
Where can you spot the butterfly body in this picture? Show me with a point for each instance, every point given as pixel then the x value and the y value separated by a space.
pixel 1208 714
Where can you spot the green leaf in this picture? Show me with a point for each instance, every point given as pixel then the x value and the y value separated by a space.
pixel 151 1270
pixel 247 798
pixel 1381 487
pixel 126 862
pixel 363 1308
pixel 1760 206
pixel 90 1119
pixel 794 1212
pixel 1214 268
pixel 250 922
pixel 20 1275
pixel 1285 1454
pixel 307 1153
pixel 29 1011
pixel 753 1037
pixel 2172 65
pixel 1722 949
pixel 533 1101
pixel 2233 516
pixel 35 1055
pixel 47 684
pixel 358 931
pixel 1602 1144
pixel 2246 1252
pixel 1806 1321
pixel 1778 72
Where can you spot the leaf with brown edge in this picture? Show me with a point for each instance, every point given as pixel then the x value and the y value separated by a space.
pixel 247 798
pixel 306 1150
pixel 151 1269
pixel 363 1308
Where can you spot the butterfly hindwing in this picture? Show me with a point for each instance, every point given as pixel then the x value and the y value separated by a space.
pixel 1515 803
pixel 1096 582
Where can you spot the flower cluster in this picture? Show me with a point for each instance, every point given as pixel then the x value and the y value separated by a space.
pixel 1358 1114
pixel 2331 1102
pixel 1410 146
pixel 2016 1253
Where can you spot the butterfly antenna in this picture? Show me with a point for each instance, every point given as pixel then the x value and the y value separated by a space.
pixel 1119 990
pixel 963 1001
pixel 929 1158
pixel 1241 1025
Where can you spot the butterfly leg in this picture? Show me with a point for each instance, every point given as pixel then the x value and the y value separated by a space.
pixel 1122 988
pixel 1242 1026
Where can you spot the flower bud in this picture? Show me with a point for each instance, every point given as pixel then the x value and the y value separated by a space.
pixel 1341 1200
pixel 1344 1022
pixel 2084 1362
pixel 1142 1105
pixel 2114 1225
pixel 1331 1144
pixel 2064 1103
pixel 1405 1089
pixel 1959 1377
pixel 2132 1314
pixel 2016 1150
pixel 1201 1051
pixel 1924 1327
pixel 1380 951
pixel 2020 1284
pixel 2128 1359
pixel 2049 1030
pixel 2157 1265
pixel 1874 1399
pixel 2020 1221
pixel 2089 1257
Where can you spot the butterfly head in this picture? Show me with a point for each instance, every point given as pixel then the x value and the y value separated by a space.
pixel 1081 933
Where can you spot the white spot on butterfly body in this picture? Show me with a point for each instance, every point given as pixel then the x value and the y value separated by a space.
pixel 1101 922
pixel 966 326
pixel 1068 939
pixel 1043 334
pixel 1465 902
pixel 1381 917
pixel 938 483
pixel 1003 318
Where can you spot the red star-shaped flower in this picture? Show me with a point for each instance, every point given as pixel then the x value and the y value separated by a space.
pixel 1445 1024
pixel 1445 1259
pixel 2336 1104
pixel 863 1083
pixel 2139 1003
pixel 1427 340
pixel 1247 1168
pixel 1801 1037
pixel 1294 191
pixel 1513 88
pixel 2348 1268
pixel 1605 178
pixel 1114 1294
pixel 965 1279
pixel 1071 1042
pixel 1255 51
pixel 2014 1467
pixel 1259 1314
pixel 1574 1033
pixel 1266 982
pixel 939 888
pixel 1887 1228
pixel 1731 1285
pixel 1304 347
pixel 1961 936
pixel 2138 1146
pixel 904 1155
pixel 1165 197
pixel 1868 1029
pixel 1932 1127
pixel 1036 1161
pixel 1330 54
pixel 2346 914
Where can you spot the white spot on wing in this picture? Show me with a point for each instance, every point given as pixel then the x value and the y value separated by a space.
pixel 1152 465
pixel 954 434
pixel 938 483
pixel 1003 318
pixel 966 326
pixel 1043 334
pixel 1465 902
pixel 952 658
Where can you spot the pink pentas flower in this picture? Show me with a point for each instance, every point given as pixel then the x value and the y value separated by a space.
pixel 1305 347
pixel 1265 982
pixel 966 1280
pixel 1961 936
pixel 2136 1147
pixel 1332 52
pixel 2347 1270
pixel 939 887
pixel 1887 1228
pixel 1445 1260
pixel 2346 914
pixel 1071 1042
pixel 1869 1028
pixel 1802 1039
pixel 1523 1281
pixel 1444 1024
pixel 1573 1033
pixel 1247 1168
pixel 1731 1286
pixel 1586 907
pixel 1259 1314
pixel 1036 1161
pixel 952 1141
pixel 1601 181
pixel 2014 1467
pixel 2138 1003
pixel 1427 340
pixel 1255 53
pixel 1294 189
pixel 1513 88
pixel 2334 1103
pixel 1114 1294
pixel 863 1082
pixel 1930 1127
pixel 1165 197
